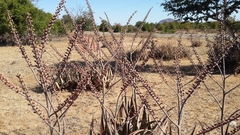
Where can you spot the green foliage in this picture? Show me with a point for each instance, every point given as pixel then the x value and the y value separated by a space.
pixel 40 20
pixel 19 9
pixel 235 25
pixel 160 27
pixel 87 26
pixel 3 18
pixel 138 24
pixel 201 9
pixel 117 28
pixel 131 28
pixel 146 26
pixel 67 22
pixel 171 27
pixel 186 26
pixel 214 25
pixel 217 10
pixel 58 28
pixel 103 26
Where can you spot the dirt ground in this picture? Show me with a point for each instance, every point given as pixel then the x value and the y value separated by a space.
pixel 17 118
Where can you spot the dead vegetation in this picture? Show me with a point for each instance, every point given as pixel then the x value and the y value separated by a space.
pixel 112 90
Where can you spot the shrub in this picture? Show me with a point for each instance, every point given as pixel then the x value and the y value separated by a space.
pixel 136 55
pixel 196 43
pixel 167 52
pixel 216 48
pixel 160 113
pixel 6 40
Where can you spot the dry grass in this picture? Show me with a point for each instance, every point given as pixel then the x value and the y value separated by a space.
pixel 167 90
pixel 17 118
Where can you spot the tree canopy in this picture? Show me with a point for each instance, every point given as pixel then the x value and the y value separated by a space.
pixel 19 10
pixel 195 10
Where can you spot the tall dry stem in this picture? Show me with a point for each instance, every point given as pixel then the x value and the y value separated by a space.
pixel 149 108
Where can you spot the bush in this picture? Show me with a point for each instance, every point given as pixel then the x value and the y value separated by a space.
pixel 6 40
pixel 167 52
pixel 117 28
pixel 216 49
pixel 196 43
pixel 20 9
pixel 150 109
pixel 131 29
pixel 136 55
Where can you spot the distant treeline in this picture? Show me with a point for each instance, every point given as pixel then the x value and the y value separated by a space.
pixel 172 27
pixel 19 9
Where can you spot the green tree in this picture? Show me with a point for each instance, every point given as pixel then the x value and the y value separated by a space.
pixel 67 22
pixel 172 26
pixel 236 25
pixel 213 25
pixel 131 28
pixel 87 26
pixel 58 28
pixel 151 27
pixel 117 28
pixel 160 27
pixel 103 26
pixel 40 20
pixel 145 27
pixel 19 9
pixel 186 26
pixel 138 24
pixel 169 27
pixel 198 10
pixel 233 23
pixel 3 18
pixel 78 14
pixel 201 9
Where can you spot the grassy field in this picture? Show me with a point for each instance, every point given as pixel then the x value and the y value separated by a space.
pixel 16 117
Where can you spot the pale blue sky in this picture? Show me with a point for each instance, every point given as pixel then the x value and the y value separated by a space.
pixel 118 11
